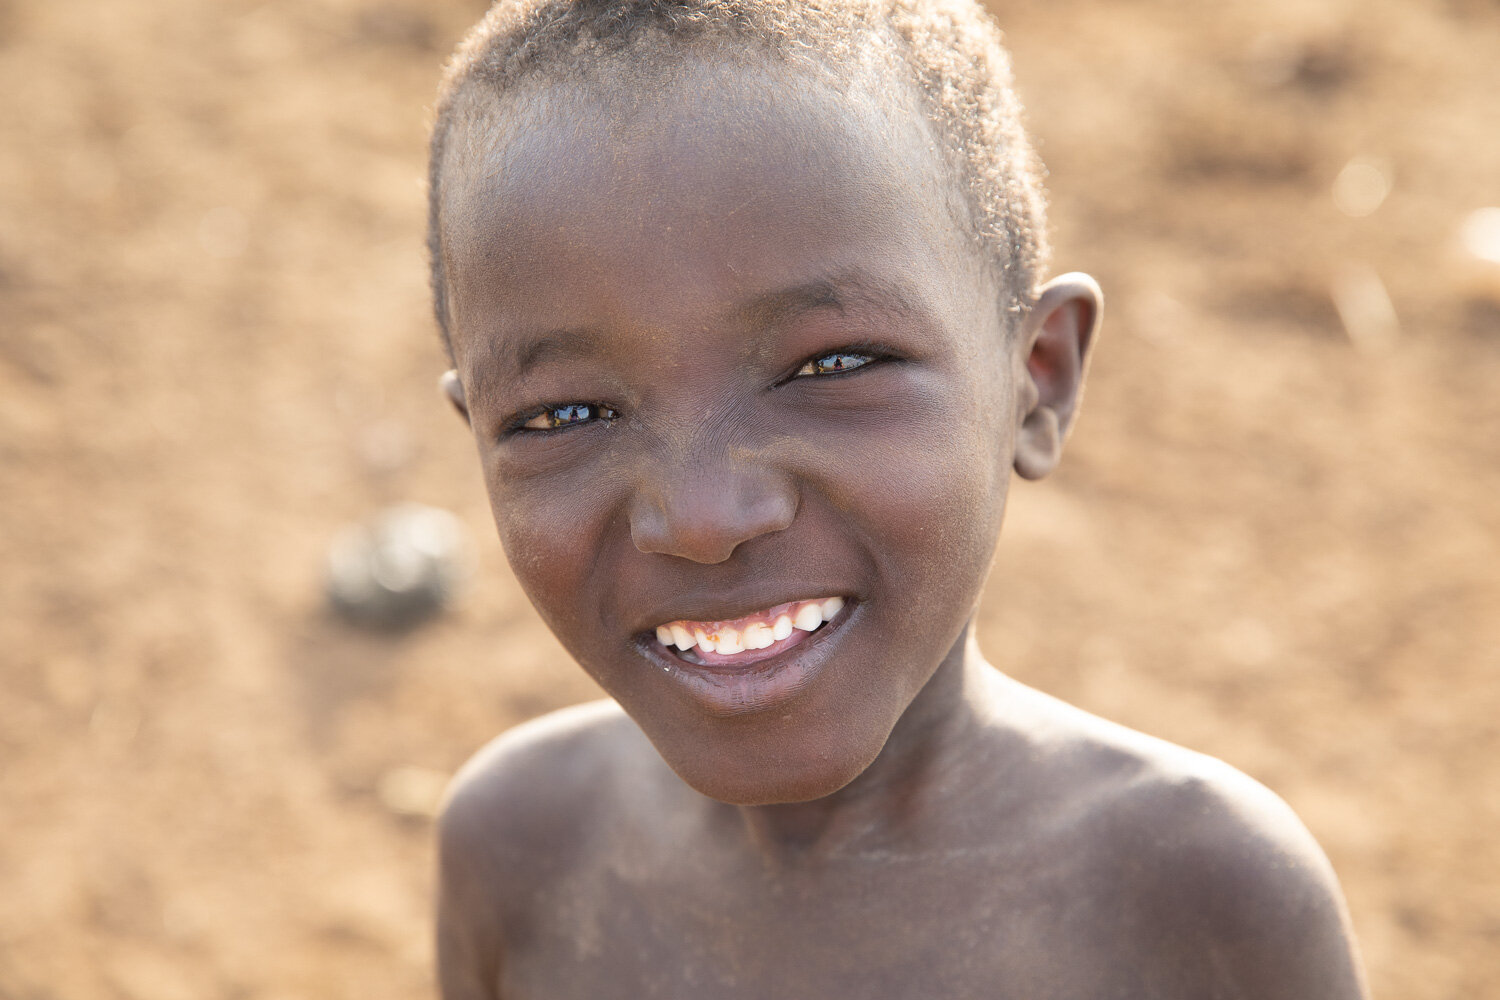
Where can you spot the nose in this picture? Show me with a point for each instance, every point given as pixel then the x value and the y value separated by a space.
pixel 706 511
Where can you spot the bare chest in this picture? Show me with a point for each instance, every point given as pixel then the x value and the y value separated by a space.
pixel 935 926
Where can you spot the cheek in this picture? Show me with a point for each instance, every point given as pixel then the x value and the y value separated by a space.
pixel 929 490
pixel 550 528
pixel 942 510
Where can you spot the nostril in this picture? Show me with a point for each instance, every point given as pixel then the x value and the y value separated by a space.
pixel 706 522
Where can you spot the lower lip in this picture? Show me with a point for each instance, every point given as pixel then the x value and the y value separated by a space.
pixel 758 685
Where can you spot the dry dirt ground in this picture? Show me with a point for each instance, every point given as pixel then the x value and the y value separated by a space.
pixel 1274 539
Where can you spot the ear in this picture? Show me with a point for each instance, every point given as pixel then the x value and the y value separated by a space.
pixel 454 390
pixel 1054 339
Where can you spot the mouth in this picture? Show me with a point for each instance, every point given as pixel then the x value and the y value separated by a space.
pixel 741 642
pixel 752 664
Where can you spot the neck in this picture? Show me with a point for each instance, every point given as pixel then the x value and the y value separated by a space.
pixel 921 762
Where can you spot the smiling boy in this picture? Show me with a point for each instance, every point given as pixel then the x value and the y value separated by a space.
pixel 745 309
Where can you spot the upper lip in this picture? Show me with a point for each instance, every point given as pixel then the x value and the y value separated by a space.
pixel 722 607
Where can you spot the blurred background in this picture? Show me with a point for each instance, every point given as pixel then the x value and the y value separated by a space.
pixel 1275 538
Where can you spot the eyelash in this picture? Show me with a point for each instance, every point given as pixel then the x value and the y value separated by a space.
pixel 582 413
pixel 868 355
pixel 809 368
pixel 588 413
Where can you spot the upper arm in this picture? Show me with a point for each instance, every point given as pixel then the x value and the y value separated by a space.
pixel 468 884
pixel 515 819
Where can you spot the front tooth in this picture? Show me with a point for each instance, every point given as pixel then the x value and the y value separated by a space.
pixel 781 628
pixel 663 635
pixel 704 642
pixel 832 607
pixel 729 642
pixel 809 617
pixel 757 636
pixel 683 638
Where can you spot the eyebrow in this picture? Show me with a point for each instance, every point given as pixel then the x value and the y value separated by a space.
pixel 839 292
pixel 516 357
pixel 529 352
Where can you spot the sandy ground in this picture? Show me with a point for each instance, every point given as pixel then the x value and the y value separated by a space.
pixel 1274 539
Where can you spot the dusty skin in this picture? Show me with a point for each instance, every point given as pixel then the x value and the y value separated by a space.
pixel 781 376
pixel 216 349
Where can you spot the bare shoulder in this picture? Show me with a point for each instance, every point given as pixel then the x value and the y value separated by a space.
pixel 526 798
pixel 1228 892
pixel 516 817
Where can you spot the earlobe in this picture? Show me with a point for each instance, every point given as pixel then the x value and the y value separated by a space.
pixel 1039 445
pixel 1055 338
pixel 454 390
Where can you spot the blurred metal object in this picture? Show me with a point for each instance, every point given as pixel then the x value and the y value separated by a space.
pixel 406 565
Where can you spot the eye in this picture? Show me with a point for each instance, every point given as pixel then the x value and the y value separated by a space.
pixel 835 362
pixel 566 415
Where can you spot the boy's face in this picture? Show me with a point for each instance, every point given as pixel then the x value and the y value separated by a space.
pixel 724 349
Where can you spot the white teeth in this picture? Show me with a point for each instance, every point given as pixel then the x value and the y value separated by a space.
pixel 757 633
pixel 681 636
pixel 729 642
pixel 809 617
pixel 757 636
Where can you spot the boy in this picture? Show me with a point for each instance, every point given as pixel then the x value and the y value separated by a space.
pixel 744 304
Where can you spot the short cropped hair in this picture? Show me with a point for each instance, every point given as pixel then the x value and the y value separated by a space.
pixel 948 52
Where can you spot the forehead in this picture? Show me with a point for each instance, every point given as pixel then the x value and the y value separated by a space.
pixel 719 182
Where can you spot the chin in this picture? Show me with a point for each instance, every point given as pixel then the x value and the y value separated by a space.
pixel 779 777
